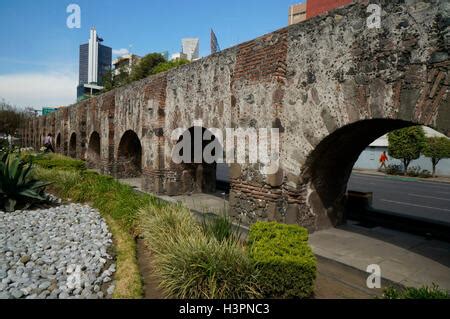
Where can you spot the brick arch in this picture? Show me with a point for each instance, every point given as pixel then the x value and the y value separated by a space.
pixel 309 80
pixel 333 137
pixel 328 168
pixel 129 155
pixel 58 142
pixel 93 154
pixel 197 174
pixel 73 145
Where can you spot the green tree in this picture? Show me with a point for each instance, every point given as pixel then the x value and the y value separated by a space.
pixel 406 144
pixel 112 81
pixel 165 66
pixel 108 81
pixel 146 65
pixel 152 63
pixel 11 118
pixel 437 148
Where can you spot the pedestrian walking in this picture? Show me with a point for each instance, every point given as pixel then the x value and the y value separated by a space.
pixel 383 160
pixel 10 143
pixel 48 143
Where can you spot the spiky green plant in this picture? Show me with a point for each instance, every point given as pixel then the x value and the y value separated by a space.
pixel 17 187
pixel 191 263
pixel 220 227
pixel 423 292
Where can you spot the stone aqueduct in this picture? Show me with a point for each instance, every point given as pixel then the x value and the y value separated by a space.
pixel 330 84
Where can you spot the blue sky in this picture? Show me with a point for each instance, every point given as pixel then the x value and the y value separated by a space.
pixel 39 55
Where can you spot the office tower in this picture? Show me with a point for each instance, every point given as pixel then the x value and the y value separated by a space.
pixel 95 62
pixel 190 47
pixel 125 63
pixel 297 13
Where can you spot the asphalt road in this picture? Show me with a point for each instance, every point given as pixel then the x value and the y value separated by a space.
pixel 423 199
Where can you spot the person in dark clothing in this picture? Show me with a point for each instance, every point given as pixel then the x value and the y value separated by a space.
pixel 48 143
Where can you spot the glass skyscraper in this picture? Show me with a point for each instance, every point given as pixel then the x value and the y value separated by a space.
pixel 95 62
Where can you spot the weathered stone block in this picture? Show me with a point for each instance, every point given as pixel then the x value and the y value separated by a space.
pixel 235 171
pixel 273 213
pixel 275 180
pixel 172 188
pixel 291 214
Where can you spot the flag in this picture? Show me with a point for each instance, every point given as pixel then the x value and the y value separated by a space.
pixel 214 43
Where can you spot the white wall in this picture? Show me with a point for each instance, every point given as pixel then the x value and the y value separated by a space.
pixel 370 156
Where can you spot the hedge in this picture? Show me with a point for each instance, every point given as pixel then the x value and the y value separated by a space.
pixel 286 263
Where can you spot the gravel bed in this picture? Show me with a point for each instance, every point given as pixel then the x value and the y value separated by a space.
pixel 59 252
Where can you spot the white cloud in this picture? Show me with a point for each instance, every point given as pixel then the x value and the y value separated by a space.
pixel 120 52
pixel 38 89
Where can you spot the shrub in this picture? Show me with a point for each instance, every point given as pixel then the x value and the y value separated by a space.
pixel 4 145
pixel 286 262
pixel 394 169
pixel 191 264
pixel 424 292
pixel 413 171
pixel 425 174
pixel 17 187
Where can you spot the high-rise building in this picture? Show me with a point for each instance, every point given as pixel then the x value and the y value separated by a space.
pixel 95 62
pixel 190 47
pixel 178 56
pixel 297 13
pixel 317 7
pixel 125 63
pixel 311 8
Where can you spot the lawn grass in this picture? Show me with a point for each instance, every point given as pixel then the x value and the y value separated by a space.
pixel 127 276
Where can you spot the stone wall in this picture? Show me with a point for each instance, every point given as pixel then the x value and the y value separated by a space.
pixel 330 85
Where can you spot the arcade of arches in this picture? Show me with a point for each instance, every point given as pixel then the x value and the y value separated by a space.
pixel 330 85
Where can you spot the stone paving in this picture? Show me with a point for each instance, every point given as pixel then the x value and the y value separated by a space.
pixel 59 252
pixel 404 258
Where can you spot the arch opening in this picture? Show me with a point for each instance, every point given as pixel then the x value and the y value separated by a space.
pixel 58 142
pixel 73 145
pixel 200 174
pixel 333 186
pixel 93 151
pixel 129 156
pixel 329 166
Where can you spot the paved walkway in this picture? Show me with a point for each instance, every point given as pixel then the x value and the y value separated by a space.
pixel 440 179
pixel 215 203
pixel 406 259
pixel 345 252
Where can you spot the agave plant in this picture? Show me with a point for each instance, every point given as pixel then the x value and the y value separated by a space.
pixel 17 187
